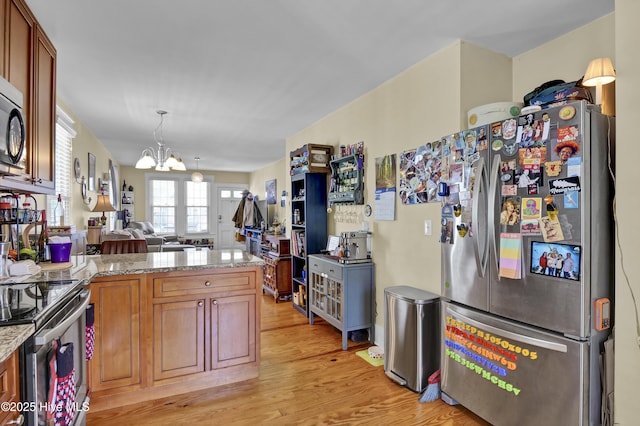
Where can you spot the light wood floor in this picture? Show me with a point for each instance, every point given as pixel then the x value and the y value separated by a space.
pixel 305 379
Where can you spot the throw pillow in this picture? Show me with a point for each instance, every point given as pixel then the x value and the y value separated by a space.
pixel 137 234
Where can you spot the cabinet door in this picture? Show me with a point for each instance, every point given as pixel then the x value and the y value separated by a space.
pixel 3 26
pixel 20 61
pixel 9 387
pixel 116 358
pixel 19 72
pixel 233 330
pixel 43 140
pixel 178 338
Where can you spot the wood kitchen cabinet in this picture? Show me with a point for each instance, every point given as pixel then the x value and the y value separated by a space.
pixel 10 388
pixel 30 65
pixel 178 338
pixel 234 330
pixel 116 359
pixel 203 321
pixel 42 143
pixel 159 334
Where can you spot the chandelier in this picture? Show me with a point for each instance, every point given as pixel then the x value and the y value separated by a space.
pixel 163 159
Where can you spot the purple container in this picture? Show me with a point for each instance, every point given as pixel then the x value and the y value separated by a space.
pixel 60 253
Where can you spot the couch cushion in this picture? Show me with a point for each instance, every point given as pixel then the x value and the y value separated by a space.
pixel 118 235
pixel 144 226
pixel 147 228
pixel 137 233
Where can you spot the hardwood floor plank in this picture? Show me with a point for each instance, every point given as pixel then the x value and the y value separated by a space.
pixel 305 379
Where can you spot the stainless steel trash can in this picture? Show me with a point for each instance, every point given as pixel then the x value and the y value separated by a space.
pixel 411 336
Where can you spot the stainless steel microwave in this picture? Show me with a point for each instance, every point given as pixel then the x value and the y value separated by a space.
pixel 12 130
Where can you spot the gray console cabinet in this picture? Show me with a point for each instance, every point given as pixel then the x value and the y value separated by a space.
pixel 342 294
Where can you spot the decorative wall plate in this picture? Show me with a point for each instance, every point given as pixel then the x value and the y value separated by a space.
pixel 76 168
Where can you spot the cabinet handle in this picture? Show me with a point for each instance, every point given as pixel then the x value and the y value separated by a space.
pixel 207 283
pixel 214 302
pixel 201 303
pixel 18 421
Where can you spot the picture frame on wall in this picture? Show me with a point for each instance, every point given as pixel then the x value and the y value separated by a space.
pixel 92 172
pixel 270 188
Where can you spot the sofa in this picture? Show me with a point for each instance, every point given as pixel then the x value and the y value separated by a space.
pixel 144 230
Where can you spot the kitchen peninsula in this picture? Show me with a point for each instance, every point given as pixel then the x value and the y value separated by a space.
pixel 170 322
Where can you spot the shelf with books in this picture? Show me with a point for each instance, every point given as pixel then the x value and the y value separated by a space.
pixel 308 229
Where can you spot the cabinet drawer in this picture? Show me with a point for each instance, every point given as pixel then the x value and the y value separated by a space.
pixel 331 269
pixel 207 281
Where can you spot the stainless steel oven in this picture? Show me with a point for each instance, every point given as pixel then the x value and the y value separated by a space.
pixel 12 130
pixel 53 380
pixel 65 329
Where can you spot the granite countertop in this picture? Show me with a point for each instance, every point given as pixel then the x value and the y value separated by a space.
pixel 11 337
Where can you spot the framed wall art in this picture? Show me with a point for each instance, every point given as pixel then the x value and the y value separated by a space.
pixel 270 187
pixel 92 172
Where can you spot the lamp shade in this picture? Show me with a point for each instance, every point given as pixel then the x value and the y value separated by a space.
pixel 197 177
pixel 599 71
pixel 103 204
pixel 180 166
pixel 146 161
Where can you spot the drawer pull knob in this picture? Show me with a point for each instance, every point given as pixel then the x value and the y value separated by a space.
pixel 207 283
pixel 214 302
pixel 201 303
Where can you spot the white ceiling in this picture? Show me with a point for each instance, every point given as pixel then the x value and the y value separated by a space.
pixel 237 77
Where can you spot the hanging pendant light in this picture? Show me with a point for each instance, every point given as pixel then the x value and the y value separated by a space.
pixel 163 159
pixel 197 176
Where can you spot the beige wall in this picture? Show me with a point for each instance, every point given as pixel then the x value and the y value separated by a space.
pixel 627 63
pixel 564 58
pixel 83 144
pixel 485 77
pixel 278 171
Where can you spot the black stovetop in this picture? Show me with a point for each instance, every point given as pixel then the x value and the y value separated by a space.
pixel 33 302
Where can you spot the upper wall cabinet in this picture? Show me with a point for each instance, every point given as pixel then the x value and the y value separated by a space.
pixel 29 63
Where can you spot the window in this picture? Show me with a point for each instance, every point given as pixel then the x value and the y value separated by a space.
pixel 197 207
pixel 163 205
pixel 64 137
pixel 178 205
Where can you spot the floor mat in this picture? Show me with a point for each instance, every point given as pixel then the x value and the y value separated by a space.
pixel 376 362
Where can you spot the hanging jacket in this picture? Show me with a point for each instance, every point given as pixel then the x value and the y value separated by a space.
pixel 253 216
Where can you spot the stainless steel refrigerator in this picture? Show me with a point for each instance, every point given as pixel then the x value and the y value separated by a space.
pixel 527 271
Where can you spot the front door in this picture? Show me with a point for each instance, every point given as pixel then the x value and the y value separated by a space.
pixel 229 197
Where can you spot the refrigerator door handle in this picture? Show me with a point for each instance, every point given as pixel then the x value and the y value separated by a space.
pixel 553 346
pixel 493 194
pixel 481 253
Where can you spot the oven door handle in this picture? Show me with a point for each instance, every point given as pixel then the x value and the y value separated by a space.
pixel 45 336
